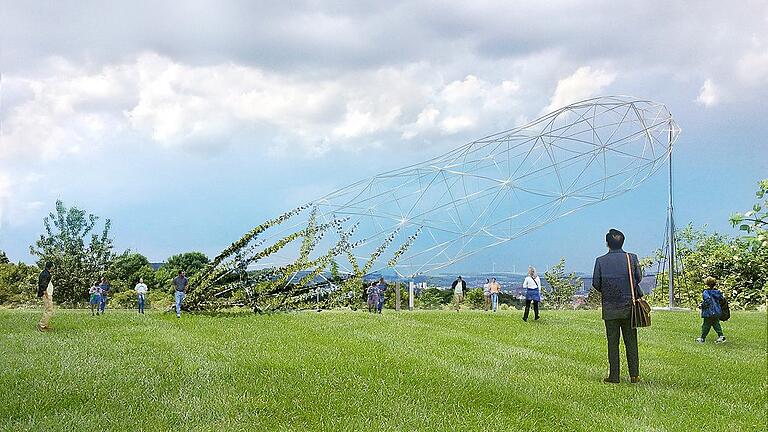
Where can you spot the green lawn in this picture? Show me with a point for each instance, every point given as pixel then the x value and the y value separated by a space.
pixel 430 370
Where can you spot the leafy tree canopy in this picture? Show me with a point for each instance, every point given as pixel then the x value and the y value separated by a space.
pixel 128 268
pixel 190 262
pixel 755 222
pixel 79 251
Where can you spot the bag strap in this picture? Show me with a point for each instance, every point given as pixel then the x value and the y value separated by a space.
pixel 631 279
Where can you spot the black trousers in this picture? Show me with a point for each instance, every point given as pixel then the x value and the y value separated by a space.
pixel 612 330
pixel 528 308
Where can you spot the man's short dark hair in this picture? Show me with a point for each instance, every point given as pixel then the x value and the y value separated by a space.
pixel 48 265
pixel 615 239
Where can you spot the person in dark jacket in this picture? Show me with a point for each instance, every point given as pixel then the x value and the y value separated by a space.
pixel 382 286
pixel 45 291
pixel 459 287
pixel 611 279
pixel 180 283
pixel 104 285
pixel 711 311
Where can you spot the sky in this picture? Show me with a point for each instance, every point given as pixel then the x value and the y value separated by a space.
pixel 188 123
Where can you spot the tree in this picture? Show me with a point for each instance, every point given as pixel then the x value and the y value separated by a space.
pixel 740 266
pixel 563 286
pixel 79 253
pixel 190 262
pixel 4 258
pixel 18 283
pixel 755 221
pixel 127 269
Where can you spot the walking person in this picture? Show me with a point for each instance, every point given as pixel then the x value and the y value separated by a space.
pixel 104 297
pixel 487 295
pixel 612 279
pixel 373 297
pixel 532 285
pixel 45 291
pixel 180 283
pixel 141 292
pixel 459 287
pixel 495 289
pixel 711 310
pixel 94 294
pixel 382 289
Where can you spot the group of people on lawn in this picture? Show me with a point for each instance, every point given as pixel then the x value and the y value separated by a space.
pixel 98 295
pixel 613 277
pixel 492 289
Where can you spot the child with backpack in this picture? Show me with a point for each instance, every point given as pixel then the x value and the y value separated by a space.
pixel 712 307
pixel 95 298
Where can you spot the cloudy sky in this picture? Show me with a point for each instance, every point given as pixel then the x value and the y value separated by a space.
pixel 187 123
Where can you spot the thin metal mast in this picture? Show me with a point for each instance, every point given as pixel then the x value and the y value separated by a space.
pixel 671 227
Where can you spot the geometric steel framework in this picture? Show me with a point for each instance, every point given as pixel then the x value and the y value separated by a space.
pixel 427 216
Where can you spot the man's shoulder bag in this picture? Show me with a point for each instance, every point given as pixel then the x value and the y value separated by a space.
pixel 641 310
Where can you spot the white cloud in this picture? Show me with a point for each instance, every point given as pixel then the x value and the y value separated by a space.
pixel 425 121
pixel 13 209
pixel 203 108
pixel 583 84
pixel 752 67
pixel 462 105
pixel 457 123
pixel 708 94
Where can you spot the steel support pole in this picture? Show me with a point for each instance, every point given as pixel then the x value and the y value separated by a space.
pixel 671 226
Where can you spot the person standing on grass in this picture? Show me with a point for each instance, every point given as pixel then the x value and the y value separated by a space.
pixel 532 285
pixel 141 292
pixel 180 283
pixel 711 310
pixel 373 297
pixel 611 279
pixel 104 297
pixel 45 291
pixel 382 289
pixel 495 289
pixel 94 293
pixel 459 287
pixel 487 295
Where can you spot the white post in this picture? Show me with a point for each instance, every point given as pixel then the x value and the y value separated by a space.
pixel 411 285
pixel 397 296
pixel 671 224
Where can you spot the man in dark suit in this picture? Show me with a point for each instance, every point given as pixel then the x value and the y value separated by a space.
pixel 611 279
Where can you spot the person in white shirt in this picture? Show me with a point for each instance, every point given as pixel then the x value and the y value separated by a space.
pixel 532 285
pixel 141 291
pixel 487 294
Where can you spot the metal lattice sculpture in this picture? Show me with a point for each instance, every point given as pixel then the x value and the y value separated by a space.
pixel 428 216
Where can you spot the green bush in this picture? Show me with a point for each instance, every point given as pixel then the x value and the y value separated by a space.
pixel 511 301
pixel 434 298
pixel 125 299
pixel 563 286
pixel 158 300
pixel 739 265
pixel 18 284
pixel 475 298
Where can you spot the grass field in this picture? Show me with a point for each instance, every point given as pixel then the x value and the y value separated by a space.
pixel 430 370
